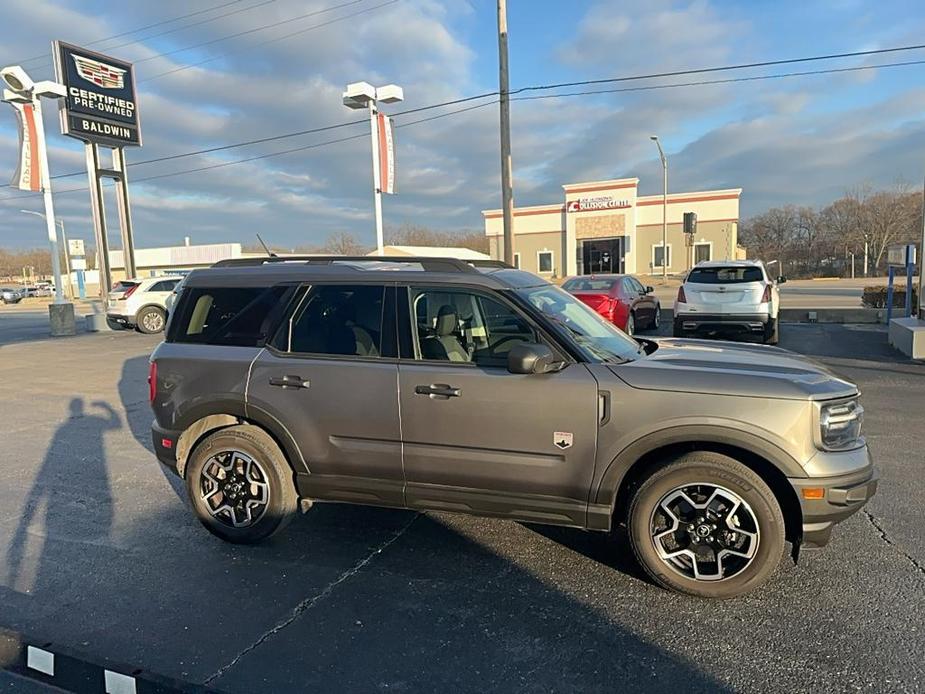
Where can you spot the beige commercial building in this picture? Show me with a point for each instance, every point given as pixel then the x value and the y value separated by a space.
pixel 604 226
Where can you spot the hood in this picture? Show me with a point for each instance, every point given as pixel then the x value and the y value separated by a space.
pixel 729 368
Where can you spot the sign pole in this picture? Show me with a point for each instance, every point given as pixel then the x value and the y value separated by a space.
pixel 125 213
pixel 99 219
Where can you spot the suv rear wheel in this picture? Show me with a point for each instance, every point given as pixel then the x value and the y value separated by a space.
pixel 151 319
pixel 240 485
pixel 772 333
pixel 706 525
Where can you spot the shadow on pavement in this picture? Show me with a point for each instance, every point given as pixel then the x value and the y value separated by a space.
pixel 133 392
pixel 348 598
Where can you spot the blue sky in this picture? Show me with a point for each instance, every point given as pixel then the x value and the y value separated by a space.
pixel 800 140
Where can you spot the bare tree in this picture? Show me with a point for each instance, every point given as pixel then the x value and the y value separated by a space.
pixel 342 243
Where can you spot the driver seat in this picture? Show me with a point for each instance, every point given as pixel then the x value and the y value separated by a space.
pixel 444 345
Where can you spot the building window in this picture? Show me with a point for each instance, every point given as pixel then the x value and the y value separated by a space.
pixel 659 256
pixel 544 261
pixel 517 260
pixel 703 251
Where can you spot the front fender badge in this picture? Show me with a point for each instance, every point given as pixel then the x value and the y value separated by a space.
pixel 562 439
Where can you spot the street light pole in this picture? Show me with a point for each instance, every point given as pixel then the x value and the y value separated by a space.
pixel 661 154
pixel 63 244
pixel 362 95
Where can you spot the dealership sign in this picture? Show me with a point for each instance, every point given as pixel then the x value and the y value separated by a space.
pixel 28 174
pixel 100 105
pixel 602 202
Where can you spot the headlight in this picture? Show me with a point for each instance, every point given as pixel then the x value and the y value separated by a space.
pixel 840 424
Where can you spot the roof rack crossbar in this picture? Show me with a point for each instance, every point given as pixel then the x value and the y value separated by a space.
pixel 427 263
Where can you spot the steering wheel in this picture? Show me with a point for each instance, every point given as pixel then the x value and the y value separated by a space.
pixel 493 349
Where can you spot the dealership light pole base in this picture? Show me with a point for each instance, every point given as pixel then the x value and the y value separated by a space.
pixel 61 317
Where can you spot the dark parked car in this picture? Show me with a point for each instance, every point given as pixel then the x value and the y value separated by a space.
pixel 436 384
pixel 621 299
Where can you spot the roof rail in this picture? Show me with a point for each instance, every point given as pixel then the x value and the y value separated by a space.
pixel 429 264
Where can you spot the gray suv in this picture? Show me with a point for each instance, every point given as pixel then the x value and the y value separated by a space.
pixel 437 384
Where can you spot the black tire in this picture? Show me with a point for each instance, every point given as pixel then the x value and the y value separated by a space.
pixel 772 334
pixel 630 327
pixel 281 497
pixel 678 331
pixel 657 317
pixel 151 320
pixel 701 470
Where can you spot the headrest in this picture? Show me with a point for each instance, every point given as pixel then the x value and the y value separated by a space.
pixel 447 322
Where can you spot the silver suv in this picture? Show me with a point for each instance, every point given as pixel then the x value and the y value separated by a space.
pixel 436 384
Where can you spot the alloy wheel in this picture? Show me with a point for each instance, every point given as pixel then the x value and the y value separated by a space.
pixel 234 488
pixel 705 532
pixel 153 321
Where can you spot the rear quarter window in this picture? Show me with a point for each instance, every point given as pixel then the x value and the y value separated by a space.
pixel 231 316
pixel 725 275
pixel 588 285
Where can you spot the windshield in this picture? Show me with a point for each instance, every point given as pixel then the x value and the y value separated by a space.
pixel 598 339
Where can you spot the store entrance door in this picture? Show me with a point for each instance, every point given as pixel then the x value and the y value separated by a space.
pixel 602 256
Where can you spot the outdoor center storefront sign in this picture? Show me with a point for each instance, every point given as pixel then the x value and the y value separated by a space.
pixel 100 105
pixel 601 202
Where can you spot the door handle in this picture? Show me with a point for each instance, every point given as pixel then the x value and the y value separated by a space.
pixel 438 390
pixel 289 382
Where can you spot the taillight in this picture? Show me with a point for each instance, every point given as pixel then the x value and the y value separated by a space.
pixel 152 381
pixel 766 297
pixel 129 291
pixel 682 299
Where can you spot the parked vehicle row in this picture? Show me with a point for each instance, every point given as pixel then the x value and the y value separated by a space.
pixel 436 384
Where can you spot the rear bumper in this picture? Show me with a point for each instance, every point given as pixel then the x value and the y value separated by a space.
pixel 844 495
pixel 128 321
pixel 165 446
pixel 722 322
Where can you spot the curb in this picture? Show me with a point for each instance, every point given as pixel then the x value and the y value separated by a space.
pixel 58 666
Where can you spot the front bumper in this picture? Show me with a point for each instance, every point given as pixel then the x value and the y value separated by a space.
pixel 843 496
pixel 757 323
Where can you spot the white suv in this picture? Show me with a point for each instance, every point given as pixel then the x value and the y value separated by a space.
pixel 728 297
pixel 140 303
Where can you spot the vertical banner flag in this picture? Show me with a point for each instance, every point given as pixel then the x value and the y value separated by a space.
pixel 28 174
pixel 386 155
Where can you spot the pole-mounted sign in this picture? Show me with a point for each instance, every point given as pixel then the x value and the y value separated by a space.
pixel 100 108
pixel 100 105
pixel 28 168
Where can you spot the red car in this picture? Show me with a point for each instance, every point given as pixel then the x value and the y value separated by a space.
pixel 621 299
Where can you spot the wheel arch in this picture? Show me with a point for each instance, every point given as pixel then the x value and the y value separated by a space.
pixel 773 465
pixel 206 424
pixel 150 305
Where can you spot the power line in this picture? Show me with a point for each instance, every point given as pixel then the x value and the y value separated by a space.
pixel 471 98
pixel 268 41
pixel 740 66
pixel 148 26
pixel 729 80
pixel 252 30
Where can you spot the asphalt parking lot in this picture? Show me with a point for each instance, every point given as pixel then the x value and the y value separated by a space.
pixel 99 552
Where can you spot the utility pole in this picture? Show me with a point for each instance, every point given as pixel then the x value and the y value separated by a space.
pixel 507 186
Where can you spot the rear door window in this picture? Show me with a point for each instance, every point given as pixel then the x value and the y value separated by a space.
pixel 233 316
pixel 725 275
pixel 337 320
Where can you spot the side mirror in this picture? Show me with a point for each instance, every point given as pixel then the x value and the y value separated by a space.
pixel 781 279
pixel 530 358
pixel 649 289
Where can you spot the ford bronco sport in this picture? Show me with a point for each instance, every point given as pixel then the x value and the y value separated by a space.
pixel 437 384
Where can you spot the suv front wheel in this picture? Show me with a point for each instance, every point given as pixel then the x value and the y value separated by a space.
pixel 706 525
pixel 151 319
pixel 240 485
